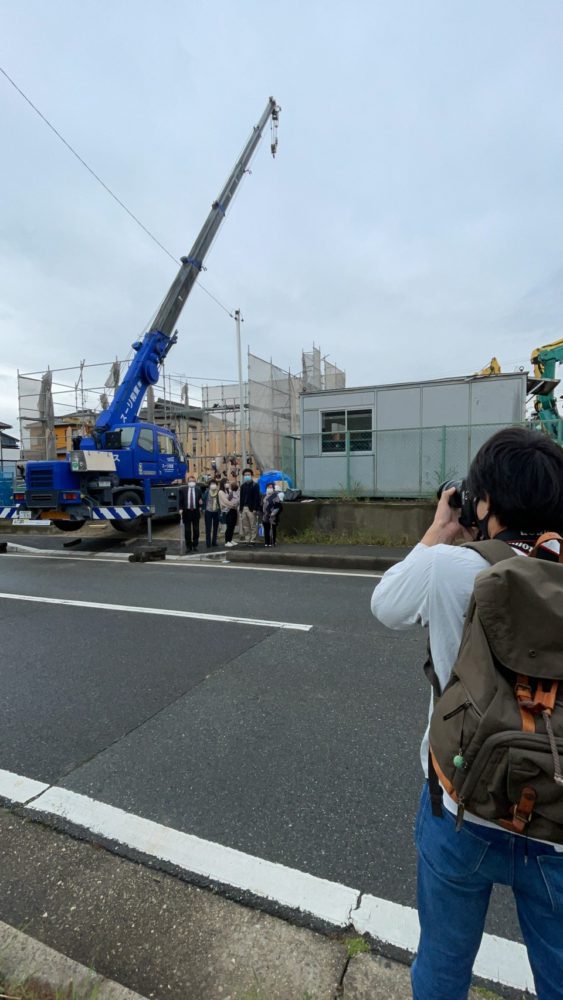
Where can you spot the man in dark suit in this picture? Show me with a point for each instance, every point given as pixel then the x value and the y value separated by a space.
pixel 191 504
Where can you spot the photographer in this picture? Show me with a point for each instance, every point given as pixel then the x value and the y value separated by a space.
pixel 514 493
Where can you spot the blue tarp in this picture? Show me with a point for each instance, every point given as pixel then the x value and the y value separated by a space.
pixel 274 476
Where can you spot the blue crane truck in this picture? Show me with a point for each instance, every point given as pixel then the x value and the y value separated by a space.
pixel 125 468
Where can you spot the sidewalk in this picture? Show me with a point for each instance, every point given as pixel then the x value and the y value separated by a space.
pixel 159 936
pixel 103 540
pixel 370 558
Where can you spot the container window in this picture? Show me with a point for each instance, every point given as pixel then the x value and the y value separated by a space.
pixel 359 420
pixel 359 424
pixel 336 423
pixel 334 430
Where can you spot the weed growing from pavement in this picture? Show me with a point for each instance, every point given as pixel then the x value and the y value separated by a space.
pixel 356 946
pixel 33 988
pixel 351 493
pixel 257 993
pixel 312 536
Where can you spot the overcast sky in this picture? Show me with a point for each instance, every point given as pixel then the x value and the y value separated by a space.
pixel 411 224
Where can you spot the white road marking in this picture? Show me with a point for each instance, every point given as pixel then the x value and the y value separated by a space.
pixel 299 890
pixel 132 608
pixel 182 563
pixel 499 959
pixel 295 569
pixel 16 788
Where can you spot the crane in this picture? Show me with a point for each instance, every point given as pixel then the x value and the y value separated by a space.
pixel 125 467
pixel 545 360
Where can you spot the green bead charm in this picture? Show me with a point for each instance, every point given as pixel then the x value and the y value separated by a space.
pixel 459 761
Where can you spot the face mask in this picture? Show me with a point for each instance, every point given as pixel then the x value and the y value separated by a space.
pixel 248 479
pixel 270 489
pixel 481 522
pixel 191 482
pixel 483 525
pixel 213 489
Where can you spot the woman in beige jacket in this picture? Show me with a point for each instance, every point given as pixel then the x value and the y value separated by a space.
pixel 229 504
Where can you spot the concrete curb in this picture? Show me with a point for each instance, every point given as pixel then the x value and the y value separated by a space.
pixel 325 560
pixel 23 958
pixel 259 557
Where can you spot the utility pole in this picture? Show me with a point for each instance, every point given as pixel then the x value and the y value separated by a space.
pixel 241 394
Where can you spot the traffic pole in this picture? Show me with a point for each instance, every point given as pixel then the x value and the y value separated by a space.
pixel 241 393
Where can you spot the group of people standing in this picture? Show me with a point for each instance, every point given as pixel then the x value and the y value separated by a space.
pixel 221 502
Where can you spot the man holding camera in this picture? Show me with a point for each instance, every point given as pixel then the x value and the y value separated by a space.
pixel 513 494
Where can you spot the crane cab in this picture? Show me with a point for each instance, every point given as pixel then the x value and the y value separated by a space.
pixel 143 451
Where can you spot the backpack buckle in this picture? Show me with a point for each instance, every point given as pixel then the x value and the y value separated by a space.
pixel 542 699
pixel 521 811
pixel 523 689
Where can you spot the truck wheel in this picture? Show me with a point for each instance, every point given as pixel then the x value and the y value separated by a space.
pixel 135 525
pixel 63 525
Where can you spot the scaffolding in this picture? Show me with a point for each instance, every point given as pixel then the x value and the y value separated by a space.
pixel 273 409
pixel 59 404
pixel 56 405
pixel 271 403
pixel 311 366
pixel 220 446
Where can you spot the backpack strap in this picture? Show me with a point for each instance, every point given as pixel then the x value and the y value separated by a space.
pixel 434 789
pixel 493 550
pixel 549 536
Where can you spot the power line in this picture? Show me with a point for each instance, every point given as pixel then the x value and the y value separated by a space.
pixel 105 186
pixel 211 296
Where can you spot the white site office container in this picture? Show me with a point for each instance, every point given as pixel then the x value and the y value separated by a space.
pixel 421 433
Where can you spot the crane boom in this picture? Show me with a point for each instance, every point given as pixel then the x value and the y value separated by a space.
pixel 544 359
pixel 169 312
pixel 157 341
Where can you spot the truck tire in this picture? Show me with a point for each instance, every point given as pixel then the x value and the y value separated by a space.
pixel 137 523
pixel 63 525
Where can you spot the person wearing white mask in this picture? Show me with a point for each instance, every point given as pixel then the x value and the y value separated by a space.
pixel 228 503
pixel 191 503
pixel 271 510
pixel 249 507
pixel 211 513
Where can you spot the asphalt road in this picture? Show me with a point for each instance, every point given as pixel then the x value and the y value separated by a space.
pixel 298 747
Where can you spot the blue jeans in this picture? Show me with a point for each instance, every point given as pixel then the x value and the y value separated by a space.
pixel 456 873
pixel 211 518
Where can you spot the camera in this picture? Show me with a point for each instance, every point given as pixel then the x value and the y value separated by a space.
pixel 461 500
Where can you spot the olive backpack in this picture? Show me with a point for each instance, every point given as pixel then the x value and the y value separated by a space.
pixel 496 731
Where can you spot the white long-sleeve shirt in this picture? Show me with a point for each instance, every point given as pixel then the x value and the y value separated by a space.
pixel 432 586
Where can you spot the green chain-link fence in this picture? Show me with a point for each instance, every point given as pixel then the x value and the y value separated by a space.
pixel 409 462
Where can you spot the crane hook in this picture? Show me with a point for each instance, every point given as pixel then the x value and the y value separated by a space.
pixel 274 129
